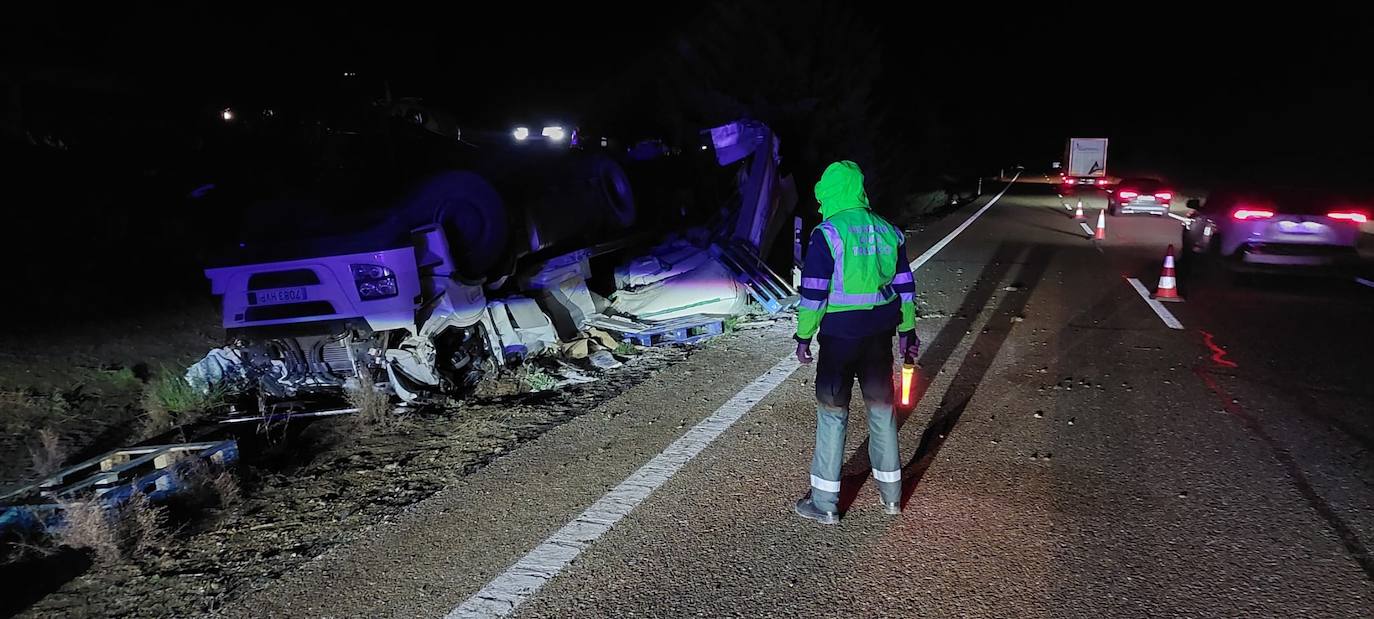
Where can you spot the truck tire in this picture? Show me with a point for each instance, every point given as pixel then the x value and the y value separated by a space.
pixel 471 213
pixel 615 187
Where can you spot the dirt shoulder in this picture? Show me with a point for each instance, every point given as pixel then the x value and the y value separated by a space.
pixel 310 489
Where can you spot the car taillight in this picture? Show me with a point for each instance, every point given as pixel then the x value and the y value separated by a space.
pixel 1351 216
pixel 1243 214
pixel 1126 194
pixel 1102 183
pixel 1165 196
pixel 1068 181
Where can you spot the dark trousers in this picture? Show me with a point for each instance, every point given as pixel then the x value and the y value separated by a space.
pixel 869 359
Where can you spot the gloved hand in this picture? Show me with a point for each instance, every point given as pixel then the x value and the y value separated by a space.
pixel 803 352
pixel 908 345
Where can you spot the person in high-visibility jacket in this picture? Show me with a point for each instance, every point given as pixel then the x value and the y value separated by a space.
pixel 856 290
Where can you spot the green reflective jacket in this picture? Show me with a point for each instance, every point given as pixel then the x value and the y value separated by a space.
pixel 868 255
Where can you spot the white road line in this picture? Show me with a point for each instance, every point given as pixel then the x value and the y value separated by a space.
pixel 1158 307
pixel 1364 282
pixel 1086 228
pixel 519 582
pixel 935 249
pixel 507 591
pixel 1179 217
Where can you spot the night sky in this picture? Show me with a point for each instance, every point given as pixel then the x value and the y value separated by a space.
pixel 1181 93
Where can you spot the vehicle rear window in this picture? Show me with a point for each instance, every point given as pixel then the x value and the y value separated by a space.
pixel 1298 201
pixel 1143 185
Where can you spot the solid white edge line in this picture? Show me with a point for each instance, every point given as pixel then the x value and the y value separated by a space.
pixel 1086 228
pixel 1163 313
pixel 519 582
pixel 1179 217
pixel 511 588
pixel 935 249
pixel 1364 282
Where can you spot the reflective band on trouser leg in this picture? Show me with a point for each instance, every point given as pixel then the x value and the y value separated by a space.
pixel 887 476
pixel 908 297
pixel 829 486
pixel 882 449
pixel 829 456
pixel 815 283
pixel 903 278
pixel 812 304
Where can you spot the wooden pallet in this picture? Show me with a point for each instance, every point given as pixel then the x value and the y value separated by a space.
pixel 113 477
pixel 681 331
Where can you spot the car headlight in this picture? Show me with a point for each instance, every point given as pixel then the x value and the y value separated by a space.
pixel 374 281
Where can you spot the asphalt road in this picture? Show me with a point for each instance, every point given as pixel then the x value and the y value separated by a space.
pixel 1070 455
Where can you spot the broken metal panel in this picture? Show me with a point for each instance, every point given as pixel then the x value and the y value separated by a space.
pixel 560 287
pixel 765 199
pixel 765 286
pixel 522 326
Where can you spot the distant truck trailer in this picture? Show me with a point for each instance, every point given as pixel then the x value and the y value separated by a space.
pixel 1085 162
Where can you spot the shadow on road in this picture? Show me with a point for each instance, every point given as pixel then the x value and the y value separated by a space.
pixel 969 374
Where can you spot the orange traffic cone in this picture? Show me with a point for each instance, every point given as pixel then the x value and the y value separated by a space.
pixel 1078 214
pixel 1168 286
pixel 1101 233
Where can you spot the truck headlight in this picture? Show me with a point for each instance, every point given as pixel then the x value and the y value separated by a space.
pixel 374 281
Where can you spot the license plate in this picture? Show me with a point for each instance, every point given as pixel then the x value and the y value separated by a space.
pixel 1304 227
pixel 1145 199
pixel 276 296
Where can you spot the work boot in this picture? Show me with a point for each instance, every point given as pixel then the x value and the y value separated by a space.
pixel 806 509
pixel 892 509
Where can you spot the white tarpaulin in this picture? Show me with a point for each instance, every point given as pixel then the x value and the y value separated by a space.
pixel 708 289
pixel 665 261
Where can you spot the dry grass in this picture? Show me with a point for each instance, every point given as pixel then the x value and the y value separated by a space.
pixel 90 527
pixel 47 453
pixel 24 412
pixel 169 402
pixel 226 488
pixel 135 530
pixel 373 404
pixel 143 526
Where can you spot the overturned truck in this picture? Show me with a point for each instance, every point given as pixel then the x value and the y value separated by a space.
pixel 402 304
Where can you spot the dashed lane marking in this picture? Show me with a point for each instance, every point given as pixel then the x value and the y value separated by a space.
pixel 1163 313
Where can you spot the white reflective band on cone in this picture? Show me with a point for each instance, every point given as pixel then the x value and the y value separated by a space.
pixel 825 486
pixel 888 476
pixel 1166 282
pixel 1168 262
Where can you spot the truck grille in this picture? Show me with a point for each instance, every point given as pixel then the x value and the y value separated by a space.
pixel 289 310
pixel 282 279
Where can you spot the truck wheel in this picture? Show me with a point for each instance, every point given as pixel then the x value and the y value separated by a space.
pixel 615 187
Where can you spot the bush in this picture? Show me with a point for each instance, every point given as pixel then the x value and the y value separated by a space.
pixel 48 453
pixel 90 527
pixel 169 401
pixel 373 404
